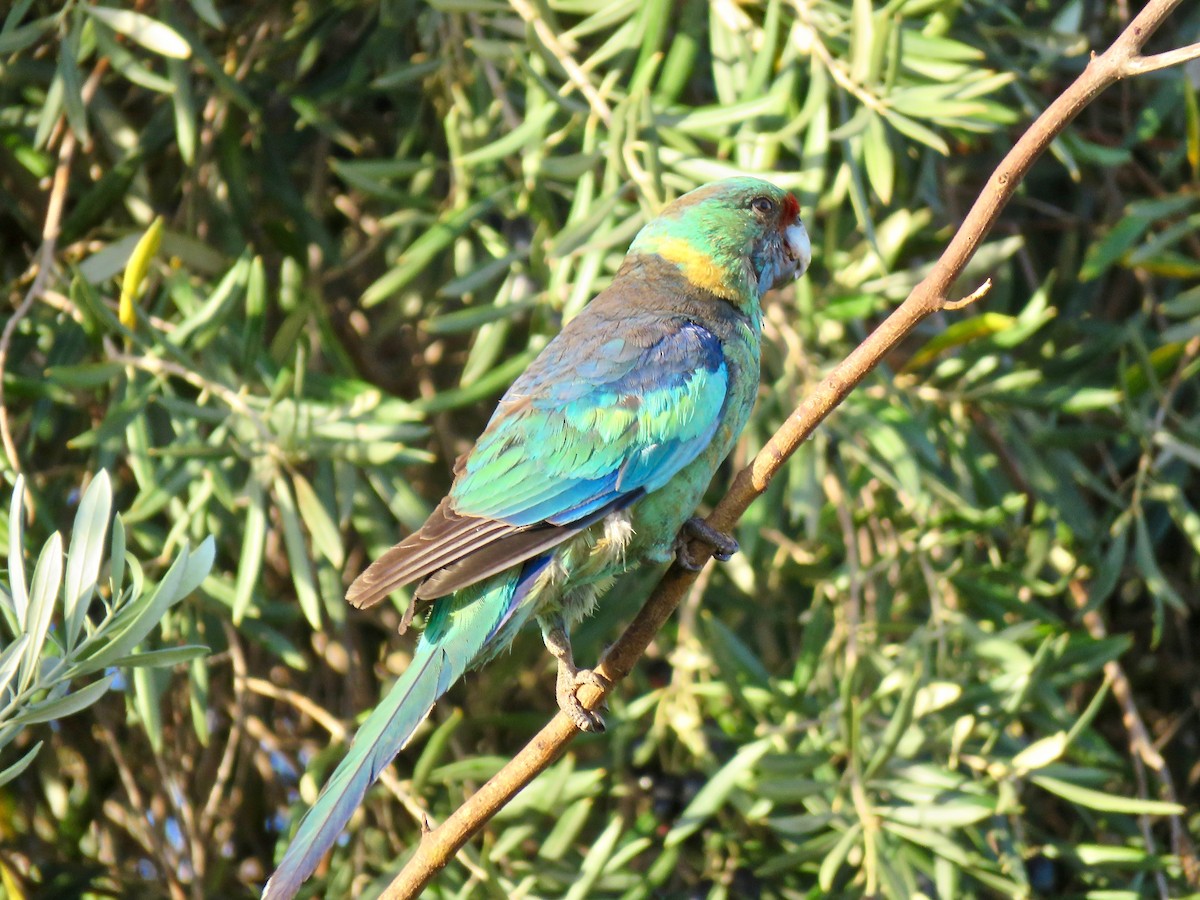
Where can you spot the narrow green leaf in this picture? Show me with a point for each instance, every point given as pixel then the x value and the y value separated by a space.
pixel 26 35
pixel 911 128
pixel 150 33
pixel 899 723
pixel 325 535
pixel 135 273
pixel 1147 561
pixel 1191 108
pixel 566 829
pixel 47 576
pixel 597 857
pixel 62 707
pixel 116 557
pixel 529 132
pixel 471 318
pixel 1120 239
pixel 207 12
pixel 877 159
pixel 256 309
pixel 20 765
pixel 422 251
pixel 51 110
pixel 491 384
pixel 16 551
pixel 958 334
pixel 209 315
pixel 136 620
pixel 199 564
pixel 435 749
pixel 713 120
pixel 147 700
pixel 86 553
pixel 254 538
pixel 1093 799
pixel 834 859
pixel 183 103
pixel 10 661
pixel 297 553
pixel 1040 753
pixel 951 813
pixel 128 65
pixel 716 792
pixel 199 692
pixel 167 656
pixel 72 82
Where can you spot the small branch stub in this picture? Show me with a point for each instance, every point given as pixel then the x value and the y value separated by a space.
pixel 978 294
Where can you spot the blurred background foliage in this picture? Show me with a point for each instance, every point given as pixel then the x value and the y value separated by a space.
pixel 958 654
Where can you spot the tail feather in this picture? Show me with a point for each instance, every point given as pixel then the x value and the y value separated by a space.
pixel 459 631
pixel 382 736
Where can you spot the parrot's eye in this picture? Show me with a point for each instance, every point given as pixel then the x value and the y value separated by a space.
pixel 763 205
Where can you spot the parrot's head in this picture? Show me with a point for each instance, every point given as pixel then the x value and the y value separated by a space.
pixel 737 238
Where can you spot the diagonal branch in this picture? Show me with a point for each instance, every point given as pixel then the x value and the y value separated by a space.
pixel 1121 60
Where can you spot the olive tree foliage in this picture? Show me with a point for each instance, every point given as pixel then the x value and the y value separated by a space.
pixel 271 264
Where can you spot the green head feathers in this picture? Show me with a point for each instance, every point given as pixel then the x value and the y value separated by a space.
pixel 737 238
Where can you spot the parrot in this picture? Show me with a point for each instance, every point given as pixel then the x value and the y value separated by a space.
pixel 593 462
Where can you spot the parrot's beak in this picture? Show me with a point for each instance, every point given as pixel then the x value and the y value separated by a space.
pixel 797 246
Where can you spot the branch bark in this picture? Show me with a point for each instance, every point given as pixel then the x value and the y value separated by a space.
pixel 1122 59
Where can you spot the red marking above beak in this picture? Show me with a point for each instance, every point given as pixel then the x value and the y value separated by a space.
pixel 791 209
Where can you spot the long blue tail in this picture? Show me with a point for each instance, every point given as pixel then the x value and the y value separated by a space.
pixel 459 634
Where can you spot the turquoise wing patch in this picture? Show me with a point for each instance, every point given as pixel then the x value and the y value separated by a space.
pixel 575 436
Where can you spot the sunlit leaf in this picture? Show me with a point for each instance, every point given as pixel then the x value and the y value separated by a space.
pixel 86 552
pixel 1113 803
pixel 150 33
pixel 136 270
pixel 20 765
pixel 62 707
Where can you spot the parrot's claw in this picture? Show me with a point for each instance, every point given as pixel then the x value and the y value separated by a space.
pixel 570 679
pixel 695 528
pixel 566 692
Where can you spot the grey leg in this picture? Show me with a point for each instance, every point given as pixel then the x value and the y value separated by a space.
pixel 570 678
pixel 695 528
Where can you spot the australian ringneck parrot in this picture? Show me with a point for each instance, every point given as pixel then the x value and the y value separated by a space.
pixel 594 460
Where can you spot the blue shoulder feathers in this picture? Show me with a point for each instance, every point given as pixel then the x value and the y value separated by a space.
pixel 559 449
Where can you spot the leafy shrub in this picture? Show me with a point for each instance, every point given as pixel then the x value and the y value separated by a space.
pixel 375 214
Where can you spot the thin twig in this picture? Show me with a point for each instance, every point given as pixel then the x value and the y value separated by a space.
pixel 1143 64
pixel 1119 61
pixel 578 78
pixel 220 786
pixel 1141 749
pixel 233 399
pixel 44 263
pixel 978 294
pixel 149 836
pixel 314 711
pixel 341 734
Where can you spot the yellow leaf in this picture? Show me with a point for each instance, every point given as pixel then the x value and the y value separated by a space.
pixel 964 332
pixel 1040 753
pixel 135 272
pixel 12 887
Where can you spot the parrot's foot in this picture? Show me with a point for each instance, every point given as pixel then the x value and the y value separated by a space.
pixel 695 528
pixel 566 692
pixel 571 679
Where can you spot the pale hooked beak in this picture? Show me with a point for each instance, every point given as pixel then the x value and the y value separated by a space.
pixel 797 246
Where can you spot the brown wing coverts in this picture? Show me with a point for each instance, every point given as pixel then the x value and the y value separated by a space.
pixel 444 539
pixel 452 552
